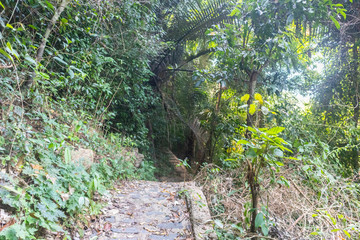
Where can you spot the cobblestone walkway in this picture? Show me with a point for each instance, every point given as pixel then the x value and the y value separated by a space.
pixel 143 210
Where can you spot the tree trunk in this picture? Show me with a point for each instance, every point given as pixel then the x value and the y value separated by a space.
pixel 254 186
pixel 254 189
pixel 355 150
pixel 254 199
pixel 42 46
pixel 49 28
pixel 210 144
pixel 251 92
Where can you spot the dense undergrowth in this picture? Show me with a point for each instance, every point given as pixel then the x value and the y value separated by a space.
pixel 41 187
pixel 303 190
pixel 316 203
pixel 73 88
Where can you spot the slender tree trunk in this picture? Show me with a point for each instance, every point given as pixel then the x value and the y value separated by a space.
pixel 254 200
pixel 49 28
pixel 150 137
pixel 251 92
pixel 254 186
pixel 211 143
pixel 355 158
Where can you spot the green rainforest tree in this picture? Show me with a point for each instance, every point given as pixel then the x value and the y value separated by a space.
pixel 217 82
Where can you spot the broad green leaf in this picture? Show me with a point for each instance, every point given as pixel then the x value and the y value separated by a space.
pixel 250 153
pixel 6 55
pixel 252 109
pixel 11 189
pixel 49 5
pixel 60 60
pixel 32 26
pixel 236 11
pixel 343 14
pixel 285 181
pixel 275 130
pixel 278 153
pixel 245 98
pixel 251 129
pixel 289 19
pixel 44 75
pixel 259 220
pixel 30 59
pixel 337 24
pixel 230 159
pixel 71 73
pixel 242 141
pixel 264 229
pixel 218 223
pixel 212 44
pixel 279 163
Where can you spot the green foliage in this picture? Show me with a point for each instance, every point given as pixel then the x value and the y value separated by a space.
pixel 51 192
pixel 91 65
pixel 149 73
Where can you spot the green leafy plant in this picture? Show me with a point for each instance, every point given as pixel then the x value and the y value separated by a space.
pixel 262 153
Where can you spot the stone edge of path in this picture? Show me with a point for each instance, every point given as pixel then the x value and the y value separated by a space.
pixel 200 217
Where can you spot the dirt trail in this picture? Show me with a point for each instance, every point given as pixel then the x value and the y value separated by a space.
pixel 143 210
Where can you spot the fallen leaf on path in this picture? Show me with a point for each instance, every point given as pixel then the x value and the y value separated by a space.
pixel 152 229
pixel 107 227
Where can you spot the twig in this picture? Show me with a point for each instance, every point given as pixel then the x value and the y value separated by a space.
pixel 296 187
pixel 258 236
pixel 6 66
pixel 297 220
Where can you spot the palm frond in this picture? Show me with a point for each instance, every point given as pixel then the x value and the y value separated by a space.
pixel 188 21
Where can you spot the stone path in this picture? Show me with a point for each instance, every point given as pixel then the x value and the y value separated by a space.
pixel 143 210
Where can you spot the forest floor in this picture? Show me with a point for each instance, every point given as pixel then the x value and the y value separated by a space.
pixel 142 210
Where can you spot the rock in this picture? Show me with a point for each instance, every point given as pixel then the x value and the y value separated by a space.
pixel 202 223
pixel 84 157
pixel 131 155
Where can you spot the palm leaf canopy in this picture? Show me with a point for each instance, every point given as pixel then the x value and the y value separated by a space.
pixel 192 18
pixel 188 20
